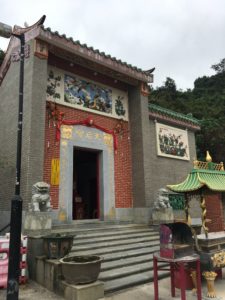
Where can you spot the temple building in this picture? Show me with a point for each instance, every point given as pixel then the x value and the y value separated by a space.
pixel 89 131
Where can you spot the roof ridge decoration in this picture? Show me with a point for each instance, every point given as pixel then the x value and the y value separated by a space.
pixel 208 164
pixel 29 33
pixel 145 76
pixel 77 42
pixel 17 30
pixel 75 47
pixel 165 114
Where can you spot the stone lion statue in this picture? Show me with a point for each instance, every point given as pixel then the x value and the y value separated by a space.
pixel 40 200
pixel 162 200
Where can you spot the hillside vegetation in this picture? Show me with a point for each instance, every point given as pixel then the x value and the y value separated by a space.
pixel 206 102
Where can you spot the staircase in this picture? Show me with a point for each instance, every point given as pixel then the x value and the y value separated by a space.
pixel 127 252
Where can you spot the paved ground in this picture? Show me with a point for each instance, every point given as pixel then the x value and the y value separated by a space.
pixel 146 292
pixel 33 291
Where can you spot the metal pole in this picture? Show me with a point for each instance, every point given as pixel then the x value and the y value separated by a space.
pixel 16 202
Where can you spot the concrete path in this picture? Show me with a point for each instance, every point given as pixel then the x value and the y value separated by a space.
pixel 146 292
pixel 33 291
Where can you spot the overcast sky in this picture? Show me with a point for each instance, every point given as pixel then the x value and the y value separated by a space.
pixel 181 38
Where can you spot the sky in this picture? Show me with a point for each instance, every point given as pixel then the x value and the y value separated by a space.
pixel 180 38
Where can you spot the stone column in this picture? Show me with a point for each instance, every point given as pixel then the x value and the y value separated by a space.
pixel 140 143
pixel 35 83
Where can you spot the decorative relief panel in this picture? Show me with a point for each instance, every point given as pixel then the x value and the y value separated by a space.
pixel 172 142
pixel 74 91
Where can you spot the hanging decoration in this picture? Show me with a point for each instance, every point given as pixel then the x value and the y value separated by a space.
pixel 54 113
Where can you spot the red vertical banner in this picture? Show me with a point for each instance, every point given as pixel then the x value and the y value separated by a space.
pixel 55 171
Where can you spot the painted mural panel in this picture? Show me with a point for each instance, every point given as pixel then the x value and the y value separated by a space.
pixel 87 94
pixel 172 142
pixel 74 91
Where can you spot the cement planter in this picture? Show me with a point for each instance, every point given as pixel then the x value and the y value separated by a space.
pixel 81 269
pixel 57 245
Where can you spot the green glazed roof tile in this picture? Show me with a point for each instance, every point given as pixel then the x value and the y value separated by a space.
pixel 214 180
pixel 172 114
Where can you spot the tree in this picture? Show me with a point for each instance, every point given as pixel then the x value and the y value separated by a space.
pixel 220 67
pixel 170 85
pixel 168 96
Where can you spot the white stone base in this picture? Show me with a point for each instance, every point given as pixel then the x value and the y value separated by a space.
pixel 92 291
pixel 37 221
pixel 163 215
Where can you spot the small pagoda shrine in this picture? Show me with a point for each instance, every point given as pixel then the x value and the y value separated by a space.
pixel 206 182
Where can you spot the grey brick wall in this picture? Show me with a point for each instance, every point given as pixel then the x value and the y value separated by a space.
pixel 150 171
pixel 35 78
pixel 9 95
pixel 34 125
pixel 165 170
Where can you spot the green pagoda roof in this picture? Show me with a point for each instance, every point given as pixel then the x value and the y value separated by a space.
pixel 213 178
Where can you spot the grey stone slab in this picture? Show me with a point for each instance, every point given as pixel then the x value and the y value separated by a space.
pixel 82 241
pixel 126 270
pixel 114 235
pixel 126 261
pixel 37 221
pixel 118 248
pixel 132 280
pixel 130 253
pixel 107 244
pixel 92 291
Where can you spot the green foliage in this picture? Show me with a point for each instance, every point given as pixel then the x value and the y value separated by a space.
pixel 206 102
pixel 220 67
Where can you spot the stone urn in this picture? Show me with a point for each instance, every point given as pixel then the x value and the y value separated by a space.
pixel 57 245
pixel 81 269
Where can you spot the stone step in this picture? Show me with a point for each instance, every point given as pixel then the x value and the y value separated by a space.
pixel 85 238
pixel 126 271
pixel 126 261
pixel 130 253
pixel 132 280
pixel 118 248
pixel 127 253
pixel 126 250
pixel 88 226
pixel 124 241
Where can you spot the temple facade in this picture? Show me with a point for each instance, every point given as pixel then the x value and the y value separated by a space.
pixel 89 131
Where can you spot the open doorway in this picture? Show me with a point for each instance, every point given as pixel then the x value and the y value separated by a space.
pixel 85 184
